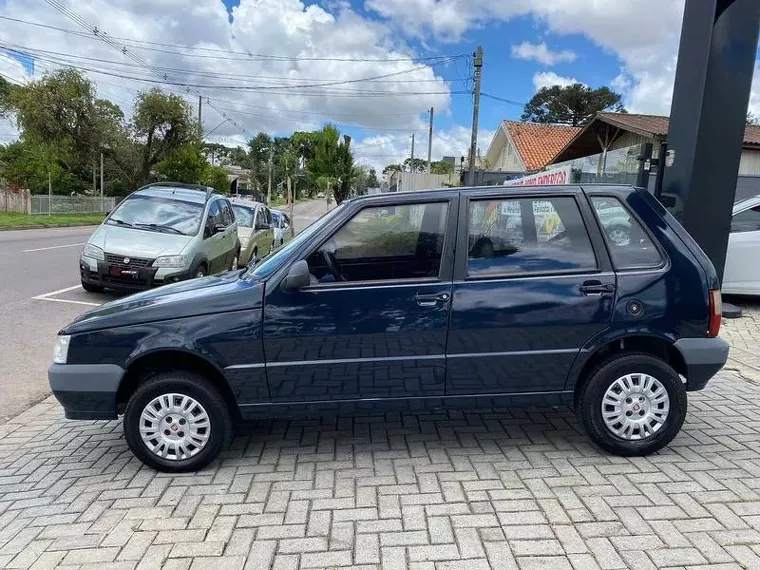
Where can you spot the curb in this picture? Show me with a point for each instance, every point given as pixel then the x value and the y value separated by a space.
pixel 39 227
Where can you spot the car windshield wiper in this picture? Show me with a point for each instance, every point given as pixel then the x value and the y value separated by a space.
pixel 159 227
pixel 122 222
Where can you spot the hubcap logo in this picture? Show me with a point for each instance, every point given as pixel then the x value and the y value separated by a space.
pixel 636 408
pixel 175 427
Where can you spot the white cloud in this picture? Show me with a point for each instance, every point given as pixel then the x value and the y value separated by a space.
pixel 646 46
pixel 342 45
pixel 382 150
pixel 542 54
pixel 549 78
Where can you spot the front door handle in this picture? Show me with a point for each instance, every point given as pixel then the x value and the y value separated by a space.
pixel 431 299
pixel 597 288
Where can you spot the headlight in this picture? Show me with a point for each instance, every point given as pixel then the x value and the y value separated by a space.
pixel 61 349
pixel 93 251
pixel 170 261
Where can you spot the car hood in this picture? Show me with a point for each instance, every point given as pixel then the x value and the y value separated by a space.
pixel 214 294
pixel 138 243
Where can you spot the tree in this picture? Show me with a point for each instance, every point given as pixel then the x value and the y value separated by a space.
pixel 391 168
pixel 216 177
pixel 162 122
pixel 372 181
pixel 752 119
pixel 333 162
pixel 442 167
pixel 571 105
pixel 185 164
pixel 415 165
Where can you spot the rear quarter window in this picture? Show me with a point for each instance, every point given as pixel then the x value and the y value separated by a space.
pixel 629 244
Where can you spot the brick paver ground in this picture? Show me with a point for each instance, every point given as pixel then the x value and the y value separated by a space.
pixel 516 489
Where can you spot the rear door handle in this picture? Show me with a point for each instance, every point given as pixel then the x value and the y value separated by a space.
pixel 597 288
pixel 431 299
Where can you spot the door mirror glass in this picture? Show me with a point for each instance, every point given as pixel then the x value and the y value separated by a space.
pixel 218 228
pixel 298 276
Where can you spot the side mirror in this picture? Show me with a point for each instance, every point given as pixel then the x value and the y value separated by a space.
pixel 218 228
pixel 298 276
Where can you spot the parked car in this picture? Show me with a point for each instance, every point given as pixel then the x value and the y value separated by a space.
pixel 283 229
pixel 741 275
pixel 383 304
pixel 162 233
pixel 257 236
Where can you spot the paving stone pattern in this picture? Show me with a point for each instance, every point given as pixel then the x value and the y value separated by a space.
pixel 514 489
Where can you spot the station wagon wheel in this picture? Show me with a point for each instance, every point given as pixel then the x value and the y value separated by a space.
pixel 235 261
pixel 201 271
pixel 177 421
pixel 632 404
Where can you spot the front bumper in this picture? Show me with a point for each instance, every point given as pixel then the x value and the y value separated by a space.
pixel 86 391
pixel 96 272
pixel 704 357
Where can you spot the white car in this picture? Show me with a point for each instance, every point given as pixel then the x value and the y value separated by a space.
pixel 283 229
pixel 742 273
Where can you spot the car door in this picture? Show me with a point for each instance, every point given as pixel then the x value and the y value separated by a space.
pixel 230 233
pixel 262 233
pixel 742 272
pixel 214 242
pixel 373 322
pixel 529 291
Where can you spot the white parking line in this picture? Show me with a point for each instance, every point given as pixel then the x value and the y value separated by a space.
pixel 47 297
pixel 51 247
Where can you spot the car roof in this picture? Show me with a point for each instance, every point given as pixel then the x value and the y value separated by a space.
pixel 746 203
pixel 486 190
pixel 245 203
pixel 177 191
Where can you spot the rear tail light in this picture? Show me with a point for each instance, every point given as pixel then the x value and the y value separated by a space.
pixel 716 313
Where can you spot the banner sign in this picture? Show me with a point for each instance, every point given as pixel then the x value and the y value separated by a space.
pixel 550 177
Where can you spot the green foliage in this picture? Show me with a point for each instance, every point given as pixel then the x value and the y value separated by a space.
pixel 15 220
pixel 333 162
pixel 372 181
pixel 415 165
pixel 572 105
pixel 442 167
pixel 215 177
pixel 391 168
pixel 186 164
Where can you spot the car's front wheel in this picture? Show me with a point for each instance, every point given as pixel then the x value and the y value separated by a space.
pixel 633 404
pixel 177 421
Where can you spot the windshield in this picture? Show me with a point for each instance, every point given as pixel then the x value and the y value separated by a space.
pixel 158 215
pixel 243 215
pixel 272 262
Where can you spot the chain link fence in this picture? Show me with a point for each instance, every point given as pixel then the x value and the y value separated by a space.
pixel 71 204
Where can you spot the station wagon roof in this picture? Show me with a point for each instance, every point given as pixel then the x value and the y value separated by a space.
pixel 250 204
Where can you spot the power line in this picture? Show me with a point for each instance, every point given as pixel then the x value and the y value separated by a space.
pixel 502 99
pixel 249 55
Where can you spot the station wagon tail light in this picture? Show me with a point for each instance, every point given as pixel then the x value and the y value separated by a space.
pixel 716 313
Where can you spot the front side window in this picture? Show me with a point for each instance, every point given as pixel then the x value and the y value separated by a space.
pixel 158 214
pixel 261 218
pixel 519 236
pixel 384 243
pixel 227 215
pixel 214 217
pixel 629 245
pixel 746 221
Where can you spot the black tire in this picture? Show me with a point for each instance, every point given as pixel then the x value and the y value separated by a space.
pixel 201 271
pixel 90 288
pixel 589 405
pixel 204 393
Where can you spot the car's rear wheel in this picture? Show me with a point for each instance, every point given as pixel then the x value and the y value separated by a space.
pixel 90 288
pixel 235 260
pixel 177 421
pixel 201 271
pixel 633 404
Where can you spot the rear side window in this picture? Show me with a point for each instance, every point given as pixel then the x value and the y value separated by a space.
pixel 521 236
pixel 746 221
pixel 630 246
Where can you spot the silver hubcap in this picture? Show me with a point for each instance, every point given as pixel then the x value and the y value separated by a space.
pixel 635 406
pixel 174 427
pixel 200 273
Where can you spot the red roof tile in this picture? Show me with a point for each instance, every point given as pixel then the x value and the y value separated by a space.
pixel 538 143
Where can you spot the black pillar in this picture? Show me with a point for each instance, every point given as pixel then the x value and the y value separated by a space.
pixel 707 119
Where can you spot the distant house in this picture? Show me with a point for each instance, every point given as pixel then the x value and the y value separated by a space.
pixel 520 147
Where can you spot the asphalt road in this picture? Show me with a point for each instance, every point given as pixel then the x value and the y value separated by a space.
pixel 37 263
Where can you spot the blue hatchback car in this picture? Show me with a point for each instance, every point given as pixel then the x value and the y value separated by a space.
pixel 466 297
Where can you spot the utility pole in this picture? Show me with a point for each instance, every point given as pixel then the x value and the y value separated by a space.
pixel 430 142
pixel 269 186
pixel 94 179
pixel 411 165
pixel 200 110
pixel 101 181
pixel 50 193
pixel 478 62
